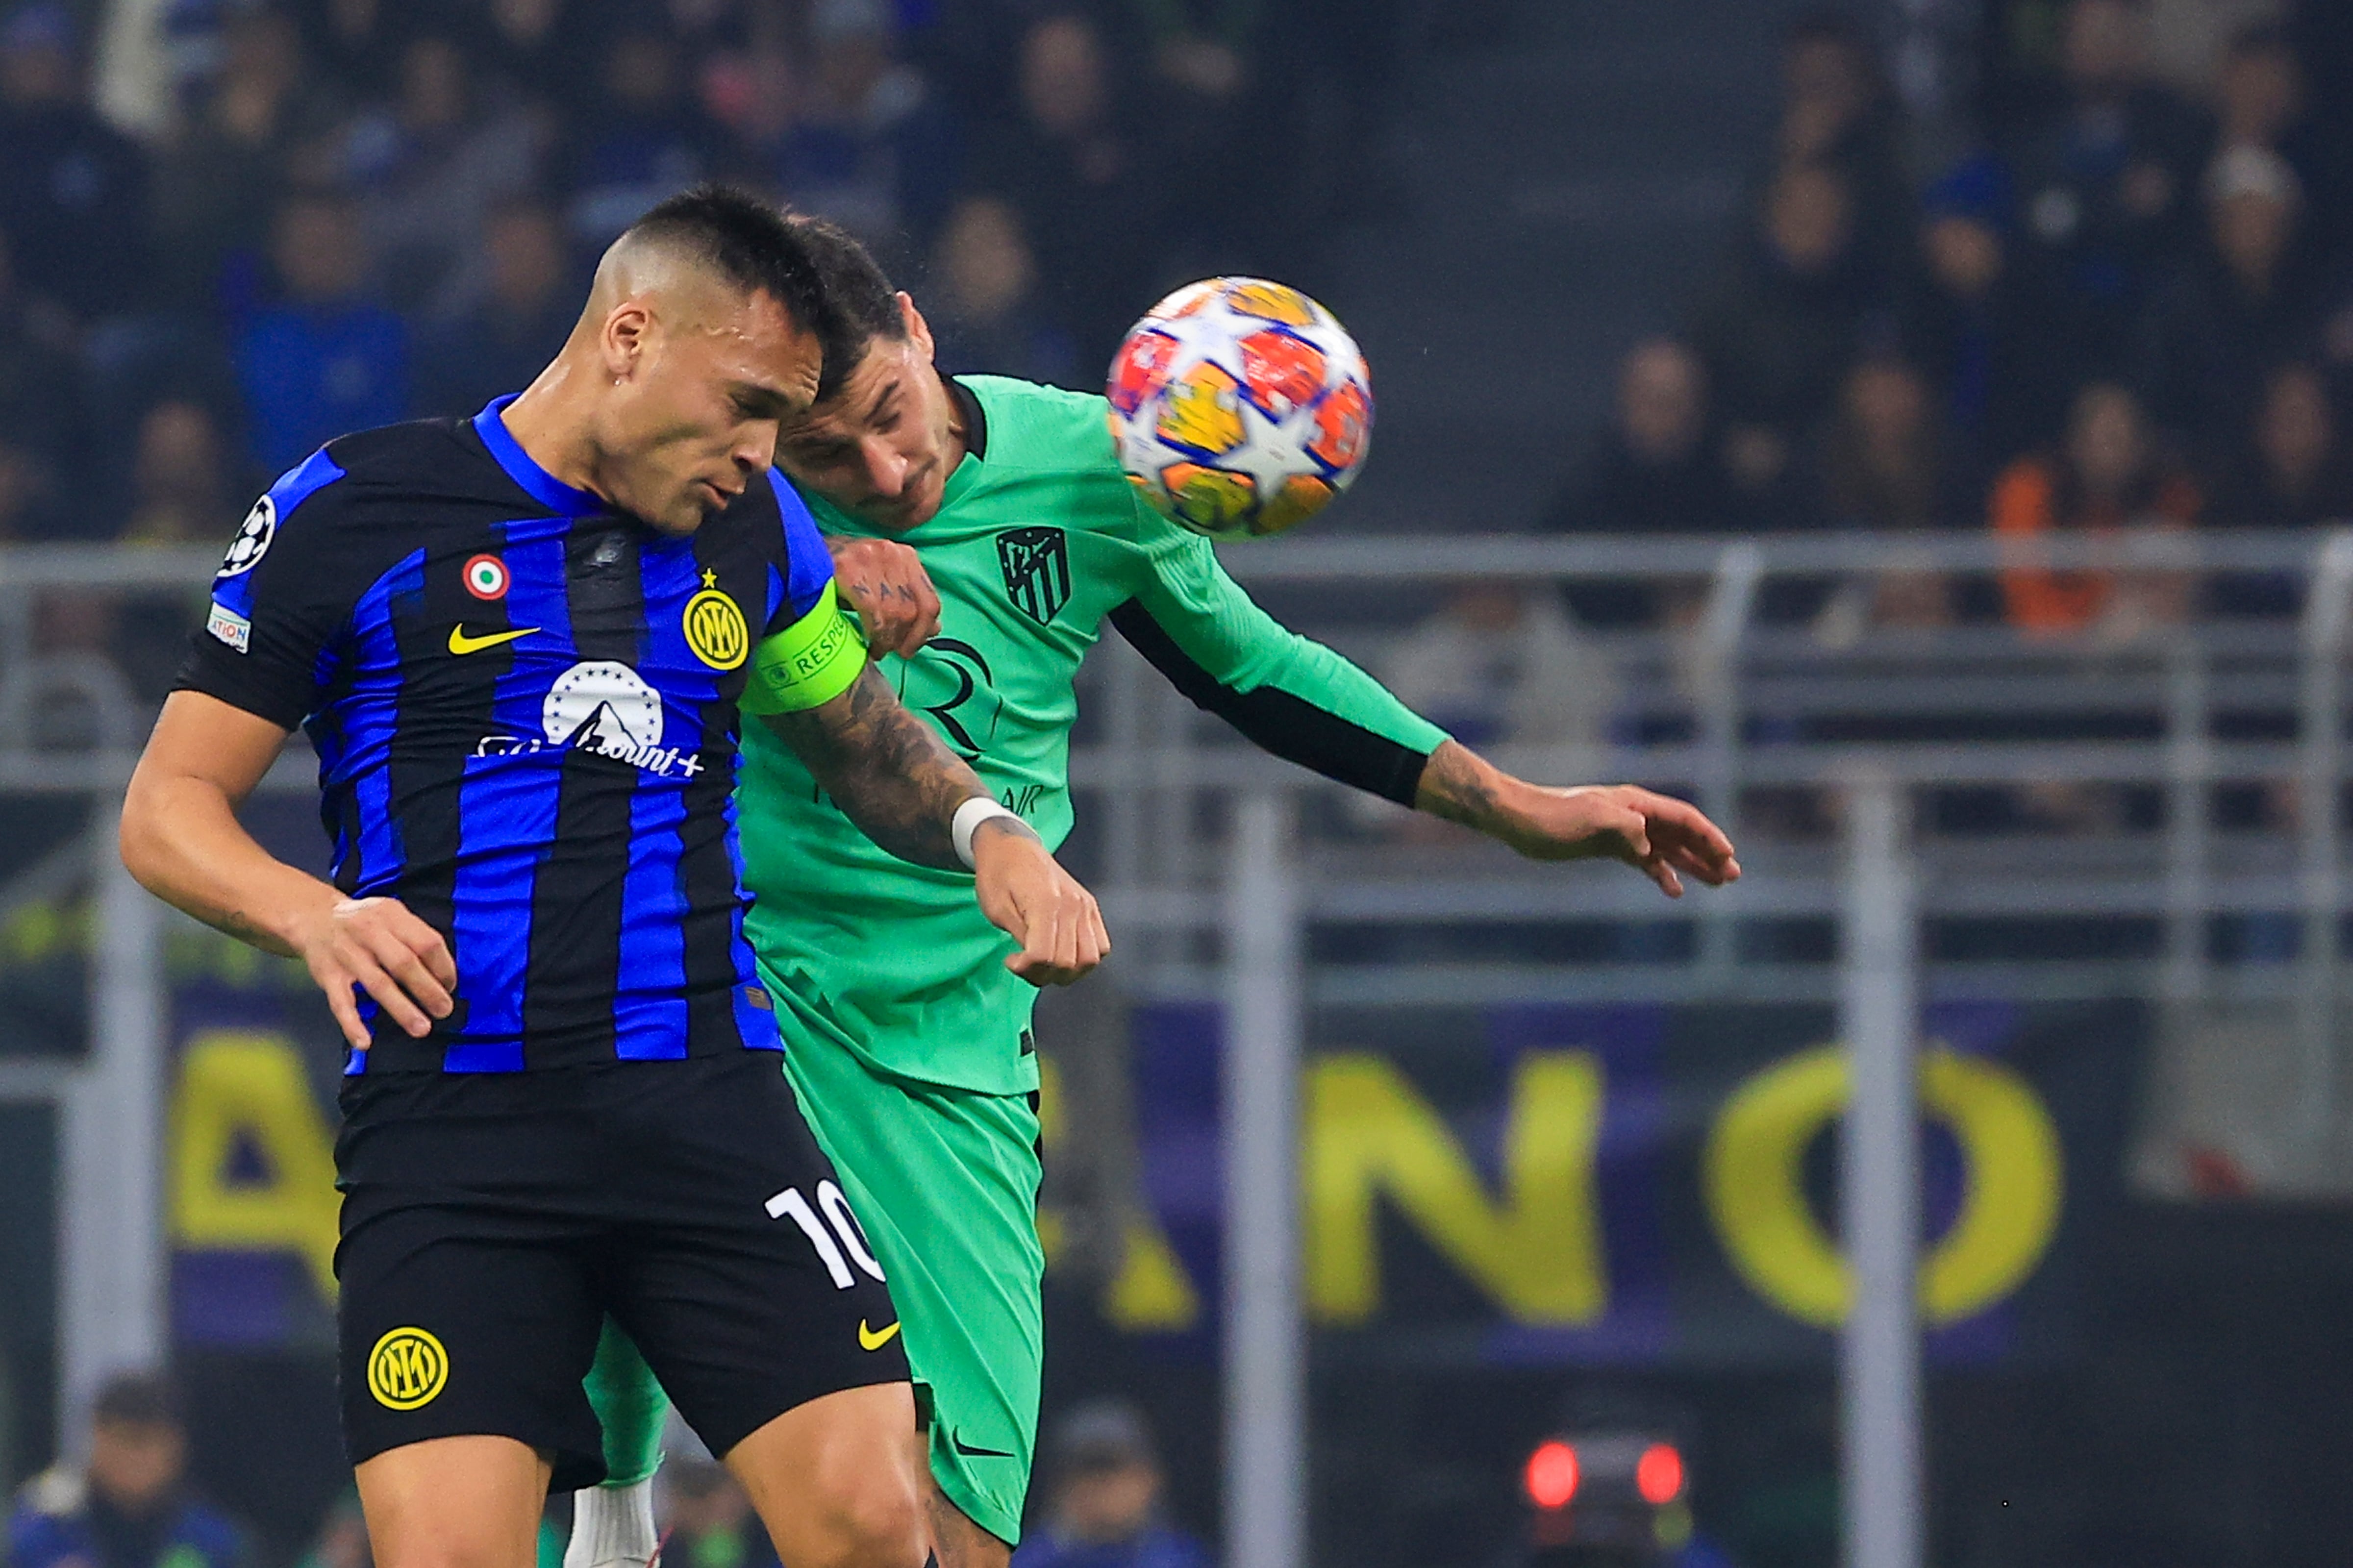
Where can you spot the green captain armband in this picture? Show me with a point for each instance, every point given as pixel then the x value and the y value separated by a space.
pixel 809 664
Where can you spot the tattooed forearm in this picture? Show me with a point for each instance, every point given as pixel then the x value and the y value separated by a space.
pixel 240 925
pixel 1010 826
pixel 1459 785
pixel 243 928
pixel 888 771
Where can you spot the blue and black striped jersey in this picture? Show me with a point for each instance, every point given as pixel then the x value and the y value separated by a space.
pixel 524 707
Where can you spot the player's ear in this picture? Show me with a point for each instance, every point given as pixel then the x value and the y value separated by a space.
pixel 627 327
pixel 919 331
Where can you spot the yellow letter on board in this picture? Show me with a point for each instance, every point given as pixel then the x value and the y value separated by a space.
pixel 1754 1177
pixel 1535 1249
pixel 241 1084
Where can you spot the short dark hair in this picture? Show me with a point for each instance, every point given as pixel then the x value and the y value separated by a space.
pixel 753 244
pixel 137 1399
pixel 859 298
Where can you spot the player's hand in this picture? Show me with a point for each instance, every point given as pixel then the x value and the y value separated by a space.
pixel 1664 838
pixel 379 947
pixel 1025 893
pixel 885 583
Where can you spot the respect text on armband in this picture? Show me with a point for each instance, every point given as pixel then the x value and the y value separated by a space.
pixel 820 655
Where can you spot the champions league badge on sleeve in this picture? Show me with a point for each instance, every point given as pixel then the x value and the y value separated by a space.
pixel 253 539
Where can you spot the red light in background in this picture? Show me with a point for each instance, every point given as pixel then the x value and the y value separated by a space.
pixel 1551 1475
pixel 1658 1475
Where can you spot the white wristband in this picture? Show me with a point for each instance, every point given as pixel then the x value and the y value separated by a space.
pixel 967 820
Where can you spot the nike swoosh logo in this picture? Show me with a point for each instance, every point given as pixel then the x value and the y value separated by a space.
pixel 459 642
pixel 955 1441
pixel 874 1339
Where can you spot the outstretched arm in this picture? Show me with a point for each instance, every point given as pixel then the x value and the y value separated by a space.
pixel 1665 839
pixel 896 779
pixel 1306 704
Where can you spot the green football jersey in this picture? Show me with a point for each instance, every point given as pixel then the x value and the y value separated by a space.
pixel 1037 541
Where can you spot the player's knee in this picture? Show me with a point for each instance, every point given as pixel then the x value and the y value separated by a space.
pixel 876 1521
pixel 433 1549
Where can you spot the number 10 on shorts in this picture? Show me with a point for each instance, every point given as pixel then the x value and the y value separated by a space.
pixel 790 1204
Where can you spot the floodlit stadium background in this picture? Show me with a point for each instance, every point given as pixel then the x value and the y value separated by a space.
pixel 1916 429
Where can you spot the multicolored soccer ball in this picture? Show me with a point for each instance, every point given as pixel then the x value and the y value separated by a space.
pixel 1240 408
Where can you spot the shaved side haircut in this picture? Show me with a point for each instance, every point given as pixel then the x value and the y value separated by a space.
pixel 756 247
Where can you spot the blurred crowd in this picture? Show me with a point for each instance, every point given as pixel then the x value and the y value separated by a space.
pixel 128 1504
pixel 232 228
pixel 2109 289
pixel 132 1502
pixel 2127 304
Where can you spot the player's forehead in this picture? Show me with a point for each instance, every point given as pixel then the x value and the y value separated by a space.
pixel 865 398
pixel 753 342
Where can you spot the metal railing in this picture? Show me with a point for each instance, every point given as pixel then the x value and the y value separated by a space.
pixel 1707 688
pixel 1201 839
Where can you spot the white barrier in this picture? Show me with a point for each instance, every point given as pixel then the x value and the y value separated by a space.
pixel 1879 1352
pixel 1265 1334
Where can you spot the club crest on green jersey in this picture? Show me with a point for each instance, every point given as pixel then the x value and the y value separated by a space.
pixel 1037 566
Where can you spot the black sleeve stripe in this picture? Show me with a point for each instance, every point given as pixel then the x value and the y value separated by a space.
pixel 1279 721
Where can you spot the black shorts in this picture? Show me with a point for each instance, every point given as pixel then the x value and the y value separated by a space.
pixel 491 1220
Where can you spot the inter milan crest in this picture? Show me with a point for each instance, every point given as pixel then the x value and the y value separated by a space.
pixel 407 1368
pixel 714 626
pixel 1037 565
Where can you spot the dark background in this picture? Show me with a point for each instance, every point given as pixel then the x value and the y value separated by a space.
pixel 1502 198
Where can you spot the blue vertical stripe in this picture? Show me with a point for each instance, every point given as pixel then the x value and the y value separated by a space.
pixel 808 565
pixel 506 808
pixel 756 1025
pixel 358 757
pixel 326 735
pixel 649 1009
pixel 369 717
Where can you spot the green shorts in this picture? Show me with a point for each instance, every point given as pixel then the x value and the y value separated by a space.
pixel 945 1182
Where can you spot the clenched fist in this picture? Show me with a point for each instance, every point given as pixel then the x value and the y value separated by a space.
pixel 887 585
pixel 1025 894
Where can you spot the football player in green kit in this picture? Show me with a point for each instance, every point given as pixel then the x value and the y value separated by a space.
pixel 908 1037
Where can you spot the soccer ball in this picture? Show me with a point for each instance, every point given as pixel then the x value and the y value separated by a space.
pixel 1239 407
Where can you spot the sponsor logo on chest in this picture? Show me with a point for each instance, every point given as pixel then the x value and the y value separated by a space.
pixel 605 709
